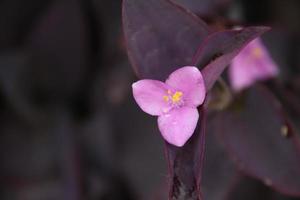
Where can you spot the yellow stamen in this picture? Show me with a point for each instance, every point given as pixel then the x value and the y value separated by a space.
pixel 257 52
pixel 176 96
pixel 166 98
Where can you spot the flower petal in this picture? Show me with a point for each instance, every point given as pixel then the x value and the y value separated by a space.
pixel 188 80
pixel 178 125
pixel 149 95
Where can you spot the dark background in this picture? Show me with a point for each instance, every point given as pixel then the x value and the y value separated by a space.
pixel 69 127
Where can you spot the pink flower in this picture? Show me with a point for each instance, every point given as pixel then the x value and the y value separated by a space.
pixel 175 102
pixel 252 64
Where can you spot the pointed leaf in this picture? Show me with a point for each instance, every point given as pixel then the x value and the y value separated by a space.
pixel 160 36
pixel 262 142
pixel 217 51
pixel 204 7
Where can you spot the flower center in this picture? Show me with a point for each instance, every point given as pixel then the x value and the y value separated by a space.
pixel 174 98
pixel 177 96
pixel 257 52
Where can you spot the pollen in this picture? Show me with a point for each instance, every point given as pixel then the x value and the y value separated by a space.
pixel 166 98
pixel 177 96
pixel 257 52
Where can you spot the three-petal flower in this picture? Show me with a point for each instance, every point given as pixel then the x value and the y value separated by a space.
pixel 252 64
pixel 175 102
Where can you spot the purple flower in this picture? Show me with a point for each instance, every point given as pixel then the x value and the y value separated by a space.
pixel 175 102
pixel 252 64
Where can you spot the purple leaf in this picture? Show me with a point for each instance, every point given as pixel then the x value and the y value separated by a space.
pixel 217 51
pixel 185 164
pixel 219 172
pixel 160 36
pixel 262 141
pixel 247 188
pixel 204 7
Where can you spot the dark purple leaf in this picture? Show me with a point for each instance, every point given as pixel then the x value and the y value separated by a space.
pixel 289 95
pixel 185 164
pixel 217 51
pixel 204 7
pixel 247 188
pixel 262 141
pixel 160 36
pixel 219 172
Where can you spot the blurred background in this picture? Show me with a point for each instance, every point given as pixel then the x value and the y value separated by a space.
pixel 69 128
